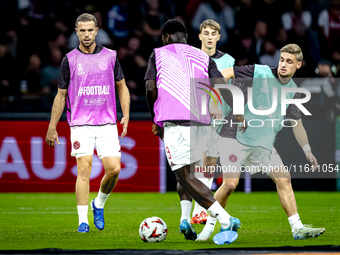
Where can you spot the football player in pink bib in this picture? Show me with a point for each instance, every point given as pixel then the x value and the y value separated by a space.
pixel 89 75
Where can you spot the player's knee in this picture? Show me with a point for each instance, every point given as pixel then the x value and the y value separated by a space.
pixel 84 173
pixel 113 172
pixel 229 187
pixel 283 182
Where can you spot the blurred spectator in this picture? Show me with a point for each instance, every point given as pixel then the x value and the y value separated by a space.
pixel 102 37
pixel 297 15
pixel 260 32
pixel 8 15
pixel 153 21
pixel 151 28
pixel 270 11
pixel 218 11
pixel 271 54
pixel 245 53
pixel 134 66
pixel 324 92
pixel 281 38
pixel 245 18
pixel 122 19
pixel 329 22
pixel 9 83
pixel 57 36
pixel 50 74
pixel 192 7
pixel 307 39
pixel 30 83
pixel 40 9
pixel 169 9
pixel 315 7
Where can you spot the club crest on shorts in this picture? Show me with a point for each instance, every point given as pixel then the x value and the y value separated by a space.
pixel 233 158
pixel 76 145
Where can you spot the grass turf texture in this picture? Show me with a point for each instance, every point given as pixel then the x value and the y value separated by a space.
pixel 45 220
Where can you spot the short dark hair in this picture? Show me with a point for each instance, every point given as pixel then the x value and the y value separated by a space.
pixel 173 26
pixel 86 17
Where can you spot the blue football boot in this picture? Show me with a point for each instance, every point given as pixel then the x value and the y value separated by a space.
pixel 98 216
pixel 188 231
pixel 83 228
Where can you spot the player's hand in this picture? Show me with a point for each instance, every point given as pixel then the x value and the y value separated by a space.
pixel 310 157
pixel 215 112
pixel 124 121
pixel 51 137
pixel 158 131
pixel 240 118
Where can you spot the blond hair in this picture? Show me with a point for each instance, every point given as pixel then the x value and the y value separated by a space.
pixel 293 49
pixel 86 17
pixel 211 23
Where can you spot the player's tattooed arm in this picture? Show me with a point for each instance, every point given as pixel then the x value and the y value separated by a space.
pixel 301 137
pixel 57 110
pixel 124 98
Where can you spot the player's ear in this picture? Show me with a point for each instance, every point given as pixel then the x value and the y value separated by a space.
pixel 218 37
pixel 166 38
pixel 299 64
pixel 200 36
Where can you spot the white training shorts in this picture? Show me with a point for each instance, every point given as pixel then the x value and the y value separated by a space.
pixel 184 145
pixel 104 138
pixel 255 159
pixel 212 142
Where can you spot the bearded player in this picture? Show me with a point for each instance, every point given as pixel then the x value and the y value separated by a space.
pixel 88 78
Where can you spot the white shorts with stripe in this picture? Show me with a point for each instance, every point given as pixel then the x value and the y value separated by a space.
pixel 184 145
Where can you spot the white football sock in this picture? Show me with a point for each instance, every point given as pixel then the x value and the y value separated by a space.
pixel 100 200
pixel 211 222
pixel 186 209
pixel 197 209
pixel 220 214
pixel 207 181
pixel 82 213
pixel 295 222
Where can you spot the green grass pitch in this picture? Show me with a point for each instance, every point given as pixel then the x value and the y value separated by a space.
pixel 49 220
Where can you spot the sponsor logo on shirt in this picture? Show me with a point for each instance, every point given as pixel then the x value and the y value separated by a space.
pixel 94 90
pixel 80 69
pixel 103 65
pixel 95 101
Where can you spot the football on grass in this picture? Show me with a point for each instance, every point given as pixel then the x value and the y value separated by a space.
pixel 153 230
